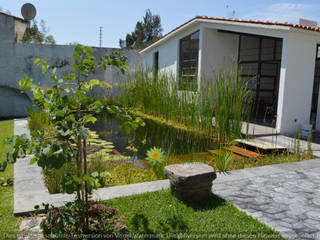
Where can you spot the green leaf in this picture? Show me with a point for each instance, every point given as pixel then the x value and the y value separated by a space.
pixel 76 56
pixel 21 153
pixel 95 174
pixel 46 150
pixel 94 82
pixel 37 61
pixel 44 68
pixel 25 83
pixel 105 174
pixel 74 66
pixel 33 160
pixel 89 118
pixel 3 166
pixel 83 133
pixel 11 158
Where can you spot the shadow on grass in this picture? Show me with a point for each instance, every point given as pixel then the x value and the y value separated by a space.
pixel 212 202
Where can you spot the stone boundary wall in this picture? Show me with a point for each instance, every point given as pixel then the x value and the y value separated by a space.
pixel 16 59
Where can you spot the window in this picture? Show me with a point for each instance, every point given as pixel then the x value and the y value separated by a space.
pixel 188 65
pixel 155 64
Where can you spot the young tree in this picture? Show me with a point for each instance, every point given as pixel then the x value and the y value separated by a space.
pixel 36 34
pixel 71 108
pixel 145 32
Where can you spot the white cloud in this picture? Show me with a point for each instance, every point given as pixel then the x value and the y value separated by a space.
pixel 285 12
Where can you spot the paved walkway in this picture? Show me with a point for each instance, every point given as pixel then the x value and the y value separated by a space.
pixel 284 196
pixel 288 201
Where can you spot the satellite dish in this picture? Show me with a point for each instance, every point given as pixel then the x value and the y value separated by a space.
pixel 28 11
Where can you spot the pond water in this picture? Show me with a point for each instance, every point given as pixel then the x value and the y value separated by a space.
pixel 171 140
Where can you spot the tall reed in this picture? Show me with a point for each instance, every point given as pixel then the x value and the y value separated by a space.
pixel 224 96
pixel 160 97
pixel 231 96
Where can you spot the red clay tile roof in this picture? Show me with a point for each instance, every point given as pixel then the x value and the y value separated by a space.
pixel 285 24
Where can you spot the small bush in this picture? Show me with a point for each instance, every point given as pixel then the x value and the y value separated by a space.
pixel 68 222
pixel 223 159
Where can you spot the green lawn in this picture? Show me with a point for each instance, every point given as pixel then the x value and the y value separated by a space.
pixel 161 213
pixel 8 223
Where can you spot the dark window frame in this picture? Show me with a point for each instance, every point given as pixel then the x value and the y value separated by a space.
pixel 192 83
pixel 315 92
pixel 155 64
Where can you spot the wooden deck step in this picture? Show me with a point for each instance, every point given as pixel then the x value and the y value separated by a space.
pixel 259 144
pixel 244 152
pixel 234 155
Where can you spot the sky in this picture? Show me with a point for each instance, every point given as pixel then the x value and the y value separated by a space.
pixel 79 20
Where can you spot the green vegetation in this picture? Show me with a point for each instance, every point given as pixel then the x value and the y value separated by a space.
pixel 38 120
pixel 65 140
pixel 145 32
pixel 160 98
pixel 161 213
pixel 8 223
pixel 230 99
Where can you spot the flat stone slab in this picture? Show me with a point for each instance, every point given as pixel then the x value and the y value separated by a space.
pixel 261 144
pixel 288 142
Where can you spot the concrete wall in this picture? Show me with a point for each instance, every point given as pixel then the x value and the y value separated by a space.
pixel 16 59
pixel 296 81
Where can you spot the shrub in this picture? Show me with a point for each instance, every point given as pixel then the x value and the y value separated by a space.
pixel 66 222
pixel 222 160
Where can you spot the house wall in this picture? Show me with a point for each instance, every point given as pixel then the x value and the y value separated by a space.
pixel 168 53
pixel 16 59
pixel 217 49
pixel 296 81
pixel 218 52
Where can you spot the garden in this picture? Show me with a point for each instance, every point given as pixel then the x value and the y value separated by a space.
pixel 83 143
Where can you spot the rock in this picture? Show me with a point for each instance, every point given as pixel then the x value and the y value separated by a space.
pixel 190 181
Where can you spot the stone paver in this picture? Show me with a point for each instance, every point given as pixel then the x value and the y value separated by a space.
pixel 287 201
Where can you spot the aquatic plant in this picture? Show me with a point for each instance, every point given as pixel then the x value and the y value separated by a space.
pixel 160 97
pixel 223 96
pixel 231 97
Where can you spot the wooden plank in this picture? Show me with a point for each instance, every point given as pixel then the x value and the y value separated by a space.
pixel 244 152
pixel 260 144
pixel 234 155
pixel 116 152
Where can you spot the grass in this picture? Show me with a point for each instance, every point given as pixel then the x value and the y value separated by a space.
pixel 8 223
pixel 159 213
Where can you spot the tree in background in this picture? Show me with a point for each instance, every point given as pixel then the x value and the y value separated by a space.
pixel 36 34
pixel 145 32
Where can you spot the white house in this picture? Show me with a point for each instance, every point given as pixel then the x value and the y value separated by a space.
pixel 283 57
